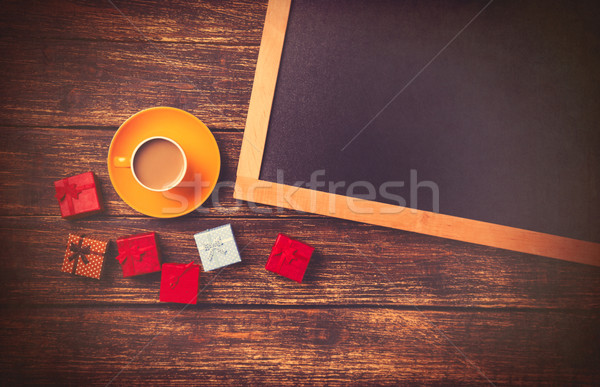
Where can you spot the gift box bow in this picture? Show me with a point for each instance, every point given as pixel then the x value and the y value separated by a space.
pixel 288 253
pixel 176 277
pixel 133 251
pixel 216 245
pixel 70 192
pixel 80 252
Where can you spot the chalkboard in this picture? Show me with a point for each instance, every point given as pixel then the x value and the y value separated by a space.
pixel 481 117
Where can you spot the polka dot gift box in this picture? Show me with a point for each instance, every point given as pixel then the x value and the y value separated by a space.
pixel 217 247
pixel 84 256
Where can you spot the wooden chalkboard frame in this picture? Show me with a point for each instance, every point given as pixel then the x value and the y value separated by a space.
pixel 249 187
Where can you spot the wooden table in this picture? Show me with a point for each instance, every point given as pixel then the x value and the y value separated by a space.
pixel 378 306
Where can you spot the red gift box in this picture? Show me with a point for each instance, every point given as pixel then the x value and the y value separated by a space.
pixel 78 195
pixel 179 283
pixel 84 256
pixel 289 258
pixel 138 254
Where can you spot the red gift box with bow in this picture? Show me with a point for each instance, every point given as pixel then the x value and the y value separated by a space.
pixel 289 258
pixel 78 196
pixel 179 283
pixel 84 256
pixel 138 254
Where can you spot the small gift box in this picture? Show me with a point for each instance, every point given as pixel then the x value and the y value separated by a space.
pixel 84 256
pixel 78 195
pixel 217 247
pixel 289 258
pixel 179 283
pixel 138 254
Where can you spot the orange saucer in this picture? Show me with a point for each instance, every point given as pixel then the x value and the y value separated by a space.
pixel 201 150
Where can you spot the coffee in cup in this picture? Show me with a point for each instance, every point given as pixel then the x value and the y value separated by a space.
pixel 158 164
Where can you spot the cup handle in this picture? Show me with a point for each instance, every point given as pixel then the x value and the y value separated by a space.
pixel 121 162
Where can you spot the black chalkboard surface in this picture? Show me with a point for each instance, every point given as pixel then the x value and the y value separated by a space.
pixel 497 103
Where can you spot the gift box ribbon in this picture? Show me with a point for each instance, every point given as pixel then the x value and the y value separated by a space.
pixel 134 252
pixel 175 279
pixel 216 246
pixel 70 192
pixel 80 252
pixel 287 253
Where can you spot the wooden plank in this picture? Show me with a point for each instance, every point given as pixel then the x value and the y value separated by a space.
pixel 212 21
pixel 65 83
pixel 354 264
pixel 33 158
pixel 296 346
pixel 425 222
pixel 265 78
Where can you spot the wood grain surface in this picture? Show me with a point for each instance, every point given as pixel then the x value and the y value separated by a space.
pixel 377 306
